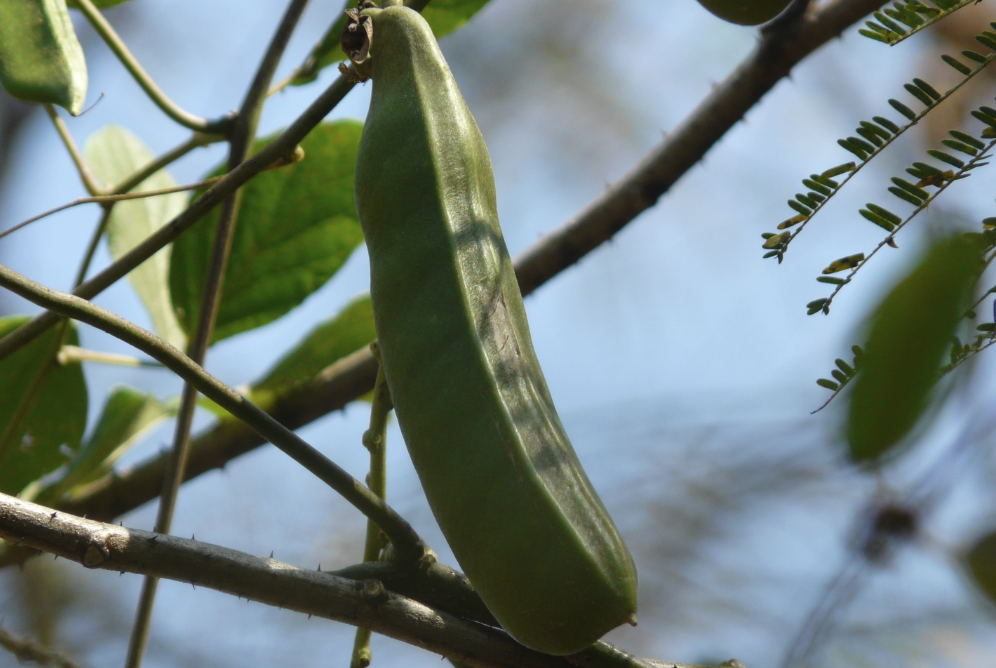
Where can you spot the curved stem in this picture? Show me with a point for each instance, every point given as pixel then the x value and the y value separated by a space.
pixel 410 546
pixel 89 180
pixel 170 108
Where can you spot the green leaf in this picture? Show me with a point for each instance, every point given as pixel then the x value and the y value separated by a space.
pixel 903 109
pixel 444 16
pixel 348 331
pixel 844 263
pixel 910 332
pixel 57 417
pixel 114 155
pixel 296 227
pixel 981 562
pixel 839 169
pixel 128 416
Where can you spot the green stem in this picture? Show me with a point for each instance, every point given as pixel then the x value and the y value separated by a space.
pixel 374 440
pixel 170 108
pixel 76 355
pixel 91 248
pixel 89 180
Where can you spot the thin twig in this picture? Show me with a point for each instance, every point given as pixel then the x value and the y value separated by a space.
pixel 297 156
pixel 104 199
pixel 375 441
pixel 408 543
pixel 26 649
pixel 86 176
pixel 91 249
pixel 170 108
pixel 962 173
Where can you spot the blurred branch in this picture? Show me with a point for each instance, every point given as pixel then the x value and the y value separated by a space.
pixel 354 376
pixel 26 649
pixel 776 53
pixel 351 596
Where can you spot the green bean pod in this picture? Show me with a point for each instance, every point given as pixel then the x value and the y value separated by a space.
pixel 494 460
pixel 41 59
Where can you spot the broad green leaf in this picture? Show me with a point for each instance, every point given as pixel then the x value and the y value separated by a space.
pixel 57 417
pixel 348 331
pixel 127 417
pixel 114 155
pixel 909 334
pixel 296 227
pixel 445 16
pixel 981 562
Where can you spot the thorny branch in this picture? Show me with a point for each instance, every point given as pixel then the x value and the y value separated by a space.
pixel 361 595
pixel 26 649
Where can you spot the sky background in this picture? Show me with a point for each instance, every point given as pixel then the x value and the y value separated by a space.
pixel 682 364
